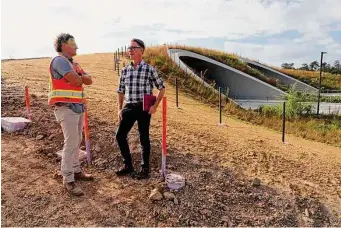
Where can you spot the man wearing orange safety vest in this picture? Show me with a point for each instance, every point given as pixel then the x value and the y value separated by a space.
pixel 67 96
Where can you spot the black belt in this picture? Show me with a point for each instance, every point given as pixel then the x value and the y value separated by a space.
pixel 136 104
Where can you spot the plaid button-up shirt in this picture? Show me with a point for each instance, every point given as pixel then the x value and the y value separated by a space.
pixel 134 83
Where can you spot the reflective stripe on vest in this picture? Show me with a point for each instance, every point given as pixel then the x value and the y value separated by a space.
pixel 66 93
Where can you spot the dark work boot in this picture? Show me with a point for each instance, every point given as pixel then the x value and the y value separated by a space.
pixel 125 170
pixel 143 174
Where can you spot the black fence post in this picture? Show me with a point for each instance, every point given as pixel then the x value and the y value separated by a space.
pixel 219 105
pixel 176 92
pixel 115 61
pixel 283 125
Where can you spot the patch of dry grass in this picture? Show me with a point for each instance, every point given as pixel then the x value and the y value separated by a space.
pixel 329 81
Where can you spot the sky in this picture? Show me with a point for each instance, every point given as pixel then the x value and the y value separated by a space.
pixel 270 31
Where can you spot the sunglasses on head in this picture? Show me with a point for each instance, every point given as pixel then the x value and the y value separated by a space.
pixel 133 48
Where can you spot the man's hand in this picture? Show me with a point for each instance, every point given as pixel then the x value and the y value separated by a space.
pixel 73 78
pixel 86 79
pixel 119 106
pixel 152 109
pixel 119 114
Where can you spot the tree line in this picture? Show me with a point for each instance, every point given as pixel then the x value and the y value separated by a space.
pixel 315 66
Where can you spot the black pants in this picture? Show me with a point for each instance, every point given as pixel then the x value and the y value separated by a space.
pixel 130 114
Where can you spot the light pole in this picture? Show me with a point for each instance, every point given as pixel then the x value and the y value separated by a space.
pixel 319 94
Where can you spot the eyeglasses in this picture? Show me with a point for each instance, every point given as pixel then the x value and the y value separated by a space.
pixel 133 48
pixel 71 43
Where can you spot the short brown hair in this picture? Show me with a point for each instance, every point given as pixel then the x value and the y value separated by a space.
pixel 61 38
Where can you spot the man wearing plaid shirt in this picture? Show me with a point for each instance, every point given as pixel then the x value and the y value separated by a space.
pixel 136 80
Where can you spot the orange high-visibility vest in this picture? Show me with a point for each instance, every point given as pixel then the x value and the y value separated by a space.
pixel 62 91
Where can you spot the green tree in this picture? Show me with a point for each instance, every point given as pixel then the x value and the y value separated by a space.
pixel 314 65
pixel 288 66
pixel 304 67
pixel 337 67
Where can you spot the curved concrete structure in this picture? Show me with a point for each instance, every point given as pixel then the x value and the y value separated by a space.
pixel 240 84
pixel 285 79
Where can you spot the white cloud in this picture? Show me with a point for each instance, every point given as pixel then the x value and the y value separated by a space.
pixel 29 27
pixel 308 20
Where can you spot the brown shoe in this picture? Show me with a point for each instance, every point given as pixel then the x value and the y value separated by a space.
pixel 83 177
pixel 73 189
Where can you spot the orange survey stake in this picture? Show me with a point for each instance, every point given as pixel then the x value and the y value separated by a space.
pixel 164 143
pixel 27 98
pixel 86 134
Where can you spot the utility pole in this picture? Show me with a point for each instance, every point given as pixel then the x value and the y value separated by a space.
pixel 319 94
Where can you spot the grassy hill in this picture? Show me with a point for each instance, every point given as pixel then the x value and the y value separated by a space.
pixel 233 61
pixel 329 81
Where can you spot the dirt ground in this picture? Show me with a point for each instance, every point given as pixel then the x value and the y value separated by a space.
pixel 300 180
